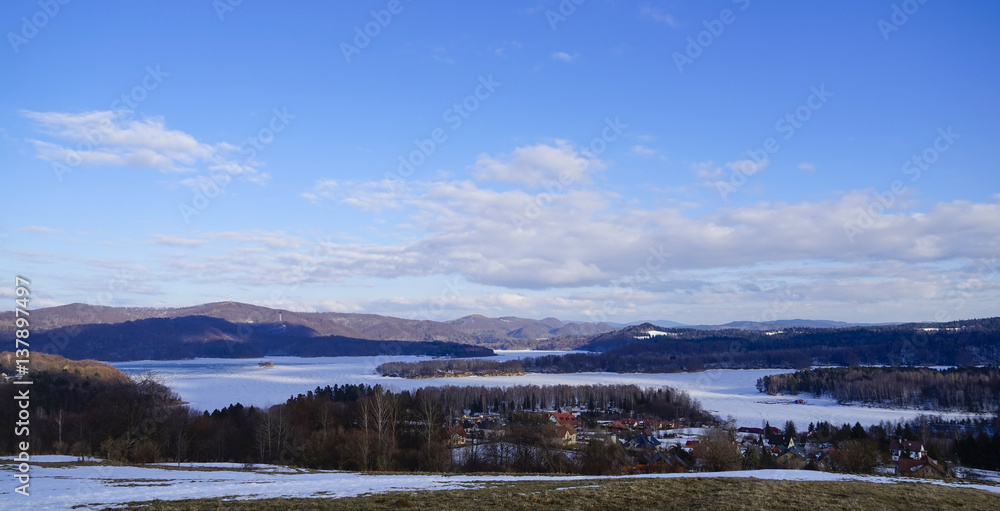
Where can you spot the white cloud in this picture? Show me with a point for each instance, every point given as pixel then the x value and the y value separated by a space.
pixel 565 57
pixel 375 196
pixel 113 138
pixel 716 177
pixel 323 190
pixel 652 13
pixel 707 170
pixel 533 165
pixel 39 229
pixel 501 49
pixel 806 166
pixel 748 167
pixel 578 239
pixel 175 241
pixel 643 150
pixel 516 246
pixel 580 250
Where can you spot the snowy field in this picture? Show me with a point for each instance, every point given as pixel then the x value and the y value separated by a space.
pixel 208 384
pixel 99 486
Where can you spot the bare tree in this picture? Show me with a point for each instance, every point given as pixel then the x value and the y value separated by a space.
pixel 430 413
pixel 378 424
pixel 719 451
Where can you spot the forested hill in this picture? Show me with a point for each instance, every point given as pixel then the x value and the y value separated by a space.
pixel 647 348
pixel 967 389
pixel 201 336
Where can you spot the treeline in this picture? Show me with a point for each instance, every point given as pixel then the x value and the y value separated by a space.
pixel 968 389
pixel 454 367
pixel 649 358
pixel 856 449
pixel 81 414
pixel 347 427
pixel 971 443
pixel 980 450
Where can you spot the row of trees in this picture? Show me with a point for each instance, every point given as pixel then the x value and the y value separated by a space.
pixel 450 367
pixel 969 389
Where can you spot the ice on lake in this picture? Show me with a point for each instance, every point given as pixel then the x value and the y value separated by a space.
pixel 208 384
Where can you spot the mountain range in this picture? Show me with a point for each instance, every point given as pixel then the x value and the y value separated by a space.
pixel 232 329
pixel 473 329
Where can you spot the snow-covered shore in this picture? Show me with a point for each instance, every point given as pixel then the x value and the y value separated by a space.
pixel 100 486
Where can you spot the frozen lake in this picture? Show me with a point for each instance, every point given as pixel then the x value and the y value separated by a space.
pixel 208 384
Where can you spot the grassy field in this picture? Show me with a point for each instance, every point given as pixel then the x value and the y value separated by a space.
pixel 634 495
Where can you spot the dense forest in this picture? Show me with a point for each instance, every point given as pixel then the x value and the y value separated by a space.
pixel 969 389
pixel 446 368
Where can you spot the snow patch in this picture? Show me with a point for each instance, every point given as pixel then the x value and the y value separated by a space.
pixel 98 487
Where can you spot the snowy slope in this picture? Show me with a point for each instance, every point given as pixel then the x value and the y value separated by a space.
pixel 96 487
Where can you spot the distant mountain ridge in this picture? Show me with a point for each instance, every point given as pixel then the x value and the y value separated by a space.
pixel 505 332
pixel 229 329
pixel 474 329
pixel 208 337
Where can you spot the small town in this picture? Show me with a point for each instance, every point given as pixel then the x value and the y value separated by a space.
pixel 643 446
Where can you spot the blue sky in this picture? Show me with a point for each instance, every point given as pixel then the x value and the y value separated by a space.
pixel 700 162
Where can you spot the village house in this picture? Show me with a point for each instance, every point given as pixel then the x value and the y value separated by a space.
pixel 456 434
pixel 781 442
pixel 658 424
pixel 640 441
pixel 690 446
pixel 566 434
pixel 924 467
pixel 483 428
pixel 906 448
pixel 659 462
pixel 793 457
pixel 648 426
pixel 561 418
